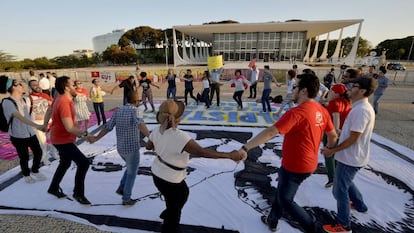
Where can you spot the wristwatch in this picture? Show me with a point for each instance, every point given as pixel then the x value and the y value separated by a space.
pixel 85 134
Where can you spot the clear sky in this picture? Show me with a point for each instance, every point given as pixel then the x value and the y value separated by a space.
pixel 31 29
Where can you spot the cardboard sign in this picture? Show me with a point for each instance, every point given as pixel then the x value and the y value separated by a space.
pixel 215 62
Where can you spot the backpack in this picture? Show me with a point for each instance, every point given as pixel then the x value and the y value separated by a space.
pixel 4 124
pixel 327 80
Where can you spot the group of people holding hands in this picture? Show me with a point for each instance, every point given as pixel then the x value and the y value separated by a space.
pixel 303 127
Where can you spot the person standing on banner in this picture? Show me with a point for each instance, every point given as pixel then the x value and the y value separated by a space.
pixel 172 87
pixel 303 127
pixel 129 127
pixel 352 153
pixel 63 133
pixel 254 77
pixel 16 110
pixel 188 84
pixel 40 103
pixel 291 82
pixel 96 93
pixel 206 89
pixel 146 84
pixel 215 84
pixel 240 83
pixel 267 88
pixel 81 107
pixel 129 86
pixel 169 168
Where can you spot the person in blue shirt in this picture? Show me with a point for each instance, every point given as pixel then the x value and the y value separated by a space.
pixel 382 85
pixel 129 124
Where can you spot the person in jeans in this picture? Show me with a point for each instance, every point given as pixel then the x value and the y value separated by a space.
pixel 254 77
pixel 382 85
pixel 215 84
pixel 128 127
pixel 352 153
pixel 169 169
pixel 63 133
pixel 172 87
pixel 302 127
pixel 267 88
pixel 21 128
pixel 188 84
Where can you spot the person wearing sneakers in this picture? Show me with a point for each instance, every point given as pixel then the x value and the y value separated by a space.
pixel 352 153
pixel 302 127
pixel 169 169
pixel 21 127
pixel 63 133
pixel 129 124
pixel 40 103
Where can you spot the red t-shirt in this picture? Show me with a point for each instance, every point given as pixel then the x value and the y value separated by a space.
pixel 303 127
pixel 62 107
pixel 341 106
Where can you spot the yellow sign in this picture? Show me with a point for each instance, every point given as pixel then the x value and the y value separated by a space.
pixel 215 62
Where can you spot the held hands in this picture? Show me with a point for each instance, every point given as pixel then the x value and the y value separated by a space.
pixel 91 139
pixel 327 152
pixel 150 145
pixel 237 156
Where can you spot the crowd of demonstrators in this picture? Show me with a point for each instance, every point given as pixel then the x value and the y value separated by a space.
pixel 352 153
pixel 40 102
pixel 129 86
pixel 188 86
pixel 290 82
pixel 81 107
pixel 97 93
pixel 254 77
pixel 382 85
pixel 64 131
pixel 146 84
pixel 172 87
pixel 214 77
pixel 267 79
pixel 307 122
pixel 169 169
pixel 338 107
pixel 240 83
pixel 129 125
pixel 16 110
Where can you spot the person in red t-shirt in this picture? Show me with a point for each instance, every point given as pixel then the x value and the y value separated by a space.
pixel 303 128
pixel 338 107
pixel 63 131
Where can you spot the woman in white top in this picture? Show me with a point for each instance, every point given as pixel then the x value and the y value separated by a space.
pixel 291 82
pixel 173 147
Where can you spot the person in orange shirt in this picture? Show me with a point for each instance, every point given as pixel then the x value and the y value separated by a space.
pixel 302 127
pixel 63 133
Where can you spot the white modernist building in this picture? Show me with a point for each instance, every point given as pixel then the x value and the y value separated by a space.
pixel 101 42
pixel 274 41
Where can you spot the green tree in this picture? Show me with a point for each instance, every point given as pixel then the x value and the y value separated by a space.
pixel 394 46
pixel 364 46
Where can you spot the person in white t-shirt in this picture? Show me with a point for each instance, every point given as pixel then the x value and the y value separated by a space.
pixel 352 153
pixel 44 84
pixel 169 169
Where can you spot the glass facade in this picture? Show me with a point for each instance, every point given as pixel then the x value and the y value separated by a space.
pixel 264 46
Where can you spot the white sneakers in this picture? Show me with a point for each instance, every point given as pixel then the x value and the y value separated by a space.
pixel 29 179
pixel 39 176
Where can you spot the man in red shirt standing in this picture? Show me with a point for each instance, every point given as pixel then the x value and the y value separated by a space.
pixel 302 127
pixel 63 133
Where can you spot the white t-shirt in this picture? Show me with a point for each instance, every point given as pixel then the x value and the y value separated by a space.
pixel 169 146
pixel 44 83
pixel 360 119
pixel 290 85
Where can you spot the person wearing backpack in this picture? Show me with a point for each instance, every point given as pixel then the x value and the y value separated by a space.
pixel 16 111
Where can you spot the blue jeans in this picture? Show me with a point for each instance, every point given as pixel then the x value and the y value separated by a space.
pixel 287 187
pixel 375 102
pixel 344 191
pixel 128 179
pixel 171 91
pixel 265 100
